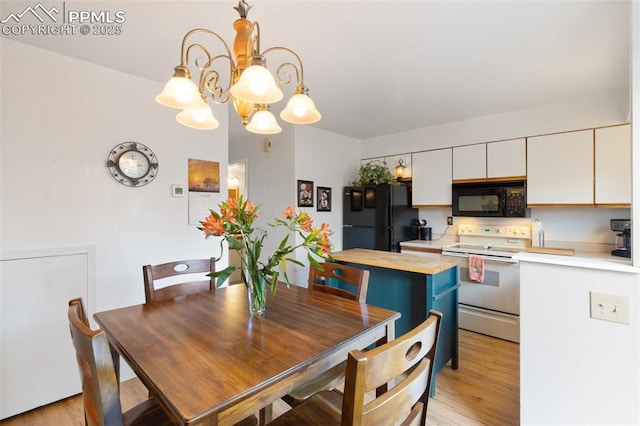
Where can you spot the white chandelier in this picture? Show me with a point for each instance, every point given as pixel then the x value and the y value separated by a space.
pixel 251 86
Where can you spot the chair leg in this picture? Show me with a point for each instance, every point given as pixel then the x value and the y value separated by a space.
pixel 266 415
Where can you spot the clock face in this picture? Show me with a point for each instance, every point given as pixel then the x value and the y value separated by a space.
pixel 132 164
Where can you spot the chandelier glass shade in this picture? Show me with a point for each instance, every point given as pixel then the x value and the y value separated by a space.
pixel 250 85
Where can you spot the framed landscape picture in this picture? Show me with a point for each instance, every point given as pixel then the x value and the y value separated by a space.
pixel 324 199
pixel 305 193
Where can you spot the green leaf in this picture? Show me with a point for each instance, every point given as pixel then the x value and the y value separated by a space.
pixel 234 243
pixel 224 275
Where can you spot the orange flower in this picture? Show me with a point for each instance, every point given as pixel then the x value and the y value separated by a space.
pixel 213 226
pixel 232 203
pixel 290 212
pixel 306 223
pixel 324 229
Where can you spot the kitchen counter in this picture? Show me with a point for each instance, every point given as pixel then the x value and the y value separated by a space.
pixel 397 261
pixel 413 285
pixel 582 259
pixel 430 244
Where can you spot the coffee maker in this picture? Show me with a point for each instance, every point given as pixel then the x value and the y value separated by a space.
pixel 622 227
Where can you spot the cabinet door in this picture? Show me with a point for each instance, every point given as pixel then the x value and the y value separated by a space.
pixel 507 159
pixel 432 178
pixel 560 170
pixel 613 166
pixel 470 162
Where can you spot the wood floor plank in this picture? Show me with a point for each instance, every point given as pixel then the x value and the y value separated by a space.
pixel 484 390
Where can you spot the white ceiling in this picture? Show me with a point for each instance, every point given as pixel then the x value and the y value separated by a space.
pixel 381 67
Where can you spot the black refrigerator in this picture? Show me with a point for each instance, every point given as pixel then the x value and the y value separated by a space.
pixel 378 217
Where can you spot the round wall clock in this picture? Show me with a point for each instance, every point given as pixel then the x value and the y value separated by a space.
pixel 132 164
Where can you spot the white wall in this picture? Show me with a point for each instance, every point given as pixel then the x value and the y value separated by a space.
pixel 58 126
pixel 574 369
pixel 299 152
pixel 329 160
pixel 603 110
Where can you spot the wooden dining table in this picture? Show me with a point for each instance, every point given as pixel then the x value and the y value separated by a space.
pixel 209 362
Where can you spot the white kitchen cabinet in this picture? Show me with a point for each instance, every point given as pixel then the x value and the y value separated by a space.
pixel 470 162
pixel 613 166
pixel 432 174
pixel 507 159
pixel 560 169
pixel 490 161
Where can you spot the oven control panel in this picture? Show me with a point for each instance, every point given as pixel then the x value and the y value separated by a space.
pixel 497 231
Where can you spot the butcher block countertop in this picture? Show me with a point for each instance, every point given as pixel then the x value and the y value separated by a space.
pixel 391 260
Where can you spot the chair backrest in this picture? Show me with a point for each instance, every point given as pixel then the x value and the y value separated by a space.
pixel 407 361
pixel 356 280
pixel 153 273
pixel 100 386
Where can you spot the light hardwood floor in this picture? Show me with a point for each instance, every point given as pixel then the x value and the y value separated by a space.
pixel 484 390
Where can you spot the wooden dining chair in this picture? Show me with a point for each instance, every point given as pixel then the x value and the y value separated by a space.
pixel 353 284
pixel 156 275
pixel 406 363
pixel 100 384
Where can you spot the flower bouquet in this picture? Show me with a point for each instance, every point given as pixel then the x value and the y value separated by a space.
pixel 234 223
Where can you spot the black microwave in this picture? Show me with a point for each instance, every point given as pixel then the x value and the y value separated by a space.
pixel 490 199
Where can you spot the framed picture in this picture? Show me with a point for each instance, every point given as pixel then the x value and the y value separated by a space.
pixel 324 199
pixel 370 198
pixel 356 200
pixel 305 193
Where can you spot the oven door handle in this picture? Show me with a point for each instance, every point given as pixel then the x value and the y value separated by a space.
pixel 486 258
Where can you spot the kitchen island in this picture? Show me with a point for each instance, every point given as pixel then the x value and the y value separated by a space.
pixel 413 285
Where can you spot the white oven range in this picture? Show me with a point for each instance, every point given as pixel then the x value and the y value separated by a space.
pixel 490 307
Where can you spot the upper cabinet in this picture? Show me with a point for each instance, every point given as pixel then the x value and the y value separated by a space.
pixel 503 160
pixel 507 159
pixel 432 172
pixel 613 166
pixel 560 170
pixel 470 162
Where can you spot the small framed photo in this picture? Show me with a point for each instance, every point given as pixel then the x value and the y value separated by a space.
pixel 370 198
pixel 324 199
pixel 177 190
pixel 305 193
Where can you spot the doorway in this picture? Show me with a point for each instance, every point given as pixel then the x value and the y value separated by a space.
pixel 236 187
pixel 237 180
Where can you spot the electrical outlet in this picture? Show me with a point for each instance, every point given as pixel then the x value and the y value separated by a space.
pixel 449 220
pixel 610 307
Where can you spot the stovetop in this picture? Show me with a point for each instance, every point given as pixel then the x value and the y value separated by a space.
pixel 491 240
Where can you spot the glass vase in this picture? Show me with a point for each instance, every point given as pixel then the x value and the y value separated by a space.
pixel 257 294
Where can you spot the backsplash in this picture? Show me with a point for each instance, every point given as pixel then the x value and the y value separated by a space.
pixel 583 225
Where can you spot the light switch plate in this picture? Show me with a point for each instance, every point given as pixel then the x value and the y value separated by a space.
pixel 610 307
